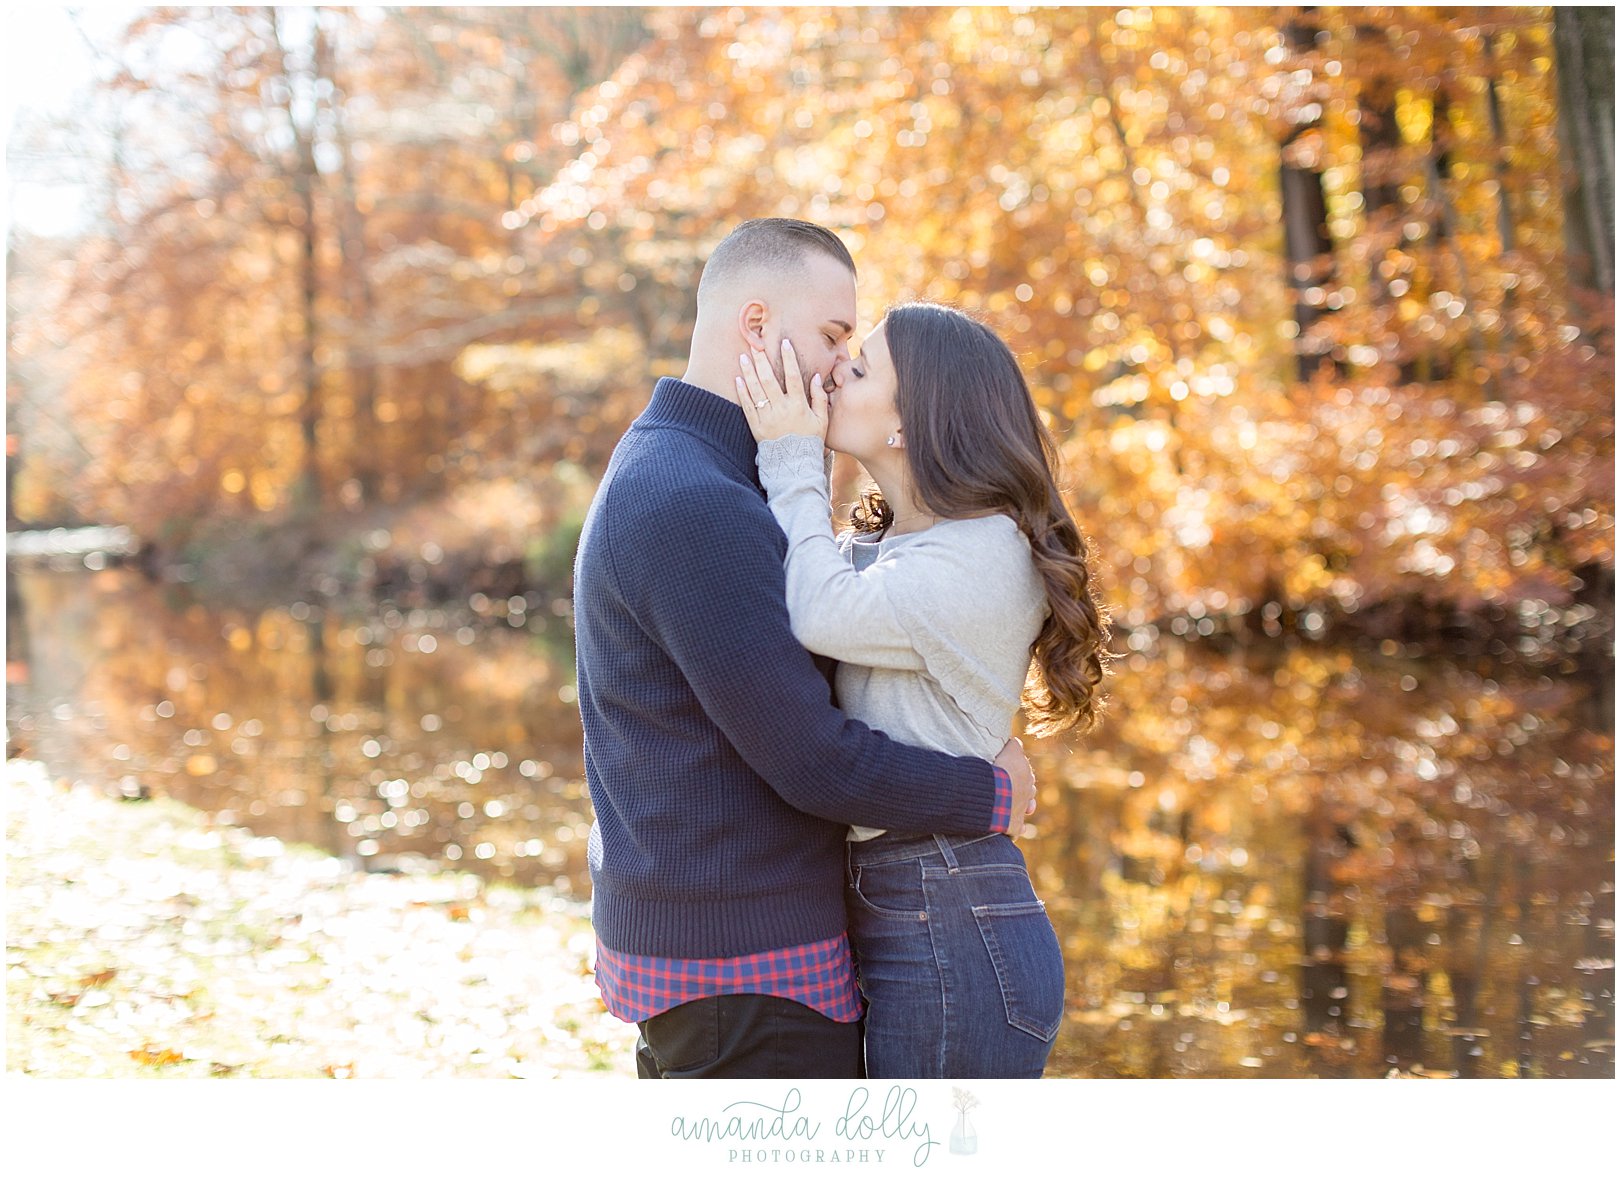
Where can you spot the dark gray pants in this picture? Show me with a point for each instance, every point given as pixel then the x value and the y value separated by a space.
pixel 747 1036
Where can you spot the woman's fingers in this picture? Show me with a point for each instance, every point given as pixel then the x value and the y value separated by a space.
pixel 767 375
pixel 746 401
pixel 791 373
pixel 818 399
pixel 771 412
pixel 758 396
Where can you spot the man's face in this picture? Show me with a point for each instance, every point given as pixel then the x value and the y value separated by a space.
pixel 817 315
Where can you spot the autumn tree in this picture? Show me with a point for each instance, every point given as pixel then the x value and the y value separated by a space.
pixel 1292 287
pixel 282 308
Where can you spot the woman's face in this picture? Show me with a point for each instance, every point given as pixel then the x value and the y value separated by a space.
pixel 861 408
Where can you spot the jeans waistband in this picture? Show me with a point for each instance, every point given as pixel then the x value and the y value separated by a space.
pixel 891 847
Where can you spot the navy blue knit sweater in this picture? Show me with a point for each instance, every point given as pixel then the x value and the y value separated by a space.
pixel 721 773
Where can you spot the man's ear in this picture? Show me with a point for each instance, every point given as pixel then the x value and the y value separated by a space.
pixel 751 320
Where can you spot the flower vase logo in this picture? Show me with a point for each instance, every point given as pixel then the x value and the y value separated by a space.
pixel 964 1140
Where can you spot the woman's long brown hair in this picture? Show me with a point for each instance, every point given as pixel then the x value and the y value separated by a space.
pixel 975 445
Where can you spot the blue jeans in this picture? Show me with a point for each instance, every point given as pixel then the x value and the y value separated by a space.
pixel 960 967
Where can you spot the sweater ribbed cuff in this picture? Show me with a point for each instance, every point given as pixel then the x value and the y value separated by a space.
pixel 796 456
pixel 1002 807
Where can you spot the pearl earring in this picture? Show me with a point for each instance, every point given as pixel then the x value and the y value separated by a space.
pixel 890 441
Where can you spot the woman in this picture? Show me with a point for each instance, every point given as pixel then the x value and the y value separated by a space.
pixel 963 569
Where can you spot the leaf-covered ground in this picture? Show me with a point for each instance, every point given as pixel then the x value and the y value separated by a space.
pixel 141 941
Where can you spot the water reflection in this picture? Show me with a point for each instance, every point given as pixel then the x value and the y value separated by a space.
pixel 1307 861
pixel 1319 862
pixel 410 738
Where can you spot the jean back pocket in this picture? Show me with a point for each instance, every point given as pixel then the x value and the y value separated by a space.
pixel 1029 965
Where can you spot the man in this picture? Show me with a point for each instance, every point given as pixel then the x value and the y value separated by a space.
pixel 721 773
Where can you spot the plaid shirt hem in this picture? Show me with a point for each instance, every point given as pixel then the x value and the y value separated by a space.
pixel 819 974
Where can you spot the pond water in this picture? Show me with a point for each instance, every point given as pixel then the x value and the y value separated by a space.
pixel 1297 861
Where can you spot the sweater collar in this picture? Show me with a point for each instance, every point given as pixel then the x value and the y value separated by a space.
pixel 700 412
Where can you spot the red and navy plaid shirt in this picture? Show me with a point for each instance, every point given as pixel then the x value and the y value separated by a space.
pixel 819 974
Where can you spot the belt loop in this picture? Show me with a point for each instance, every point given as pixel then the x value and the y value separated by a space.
pixel 947 853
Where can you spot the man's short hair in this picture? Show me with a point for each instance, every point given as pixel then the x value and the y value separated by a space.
pixel 771 244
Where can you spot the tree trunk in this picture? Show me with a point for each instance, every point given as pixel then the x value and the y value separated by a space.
pixel 1307 246
pixel 361 339
pixel 1585 48
pixel 1381 158
pixel 1382 207
pixel 1507 338
pixel 305 179
pixel 1444 220
pixel 1494 111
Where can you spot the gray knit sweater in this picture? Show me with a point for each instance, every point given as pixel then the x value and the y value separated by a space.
pixel 932 630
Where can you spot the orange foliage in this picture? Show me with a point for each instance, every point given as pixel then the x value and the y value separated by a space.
pixel 512 207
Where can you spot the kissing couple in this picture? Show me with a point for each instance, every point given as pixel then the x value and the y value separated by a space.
pixel 799 747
